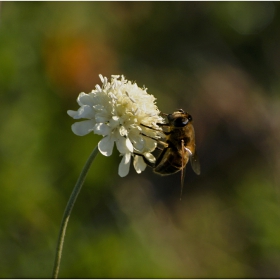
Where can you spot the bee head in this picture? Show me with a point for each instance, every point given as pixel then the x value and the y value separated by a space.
pixel 179 118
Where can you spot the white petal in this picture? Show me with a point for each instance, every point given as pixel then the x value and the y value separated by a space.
pixel 85 99
pixel 85 112
pixel 101 117
pixel 124 165
pixel 98 88
pixel 137 140
pixel 124 145
pixel 123 131
pixel 72 113
pixel 102 129
pixel 101 78
pixel 114 122
pixel 150 157
pixel 82 128
pixel 139 164
pixel 150 144
pixel 129 145
pixel 105 146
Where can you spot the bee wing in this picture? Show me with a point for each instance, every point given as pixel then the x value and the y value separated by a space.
pixel 195 163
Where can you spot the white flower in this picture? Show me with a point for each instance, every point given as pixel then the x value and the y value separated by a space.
pixel 117 111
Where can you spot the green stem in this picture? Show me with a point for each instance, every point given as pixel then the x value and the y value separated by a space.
pixel 68 210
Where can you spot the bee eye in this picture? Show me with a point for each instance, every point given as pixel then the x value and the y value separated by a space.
pixel 190 118
pixel 170 117
pixel 180 122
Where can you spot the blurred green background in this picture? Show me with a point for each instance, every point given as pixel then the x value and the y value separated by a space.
pixel 220 61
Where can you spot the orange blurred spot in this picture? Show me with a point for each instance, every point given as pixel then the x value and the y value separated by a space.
pixel 73 63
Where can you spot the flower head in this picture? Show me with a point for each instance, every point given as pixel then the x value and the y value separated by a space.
pixel 117 110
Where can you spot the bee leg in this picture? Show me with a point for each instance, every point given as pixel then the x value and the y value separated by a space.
pixel 150 127
pixel 165 128
pixel 162 124
pixel 163 114
pixel 158 148
pixel 183 170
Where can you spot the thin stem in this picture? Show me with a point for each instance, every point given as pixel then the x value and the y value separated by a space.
pixel 68 210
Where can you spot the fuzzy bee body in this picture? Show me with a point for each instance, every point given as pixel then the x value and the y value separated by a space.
pixel 177 148
pixel 179 145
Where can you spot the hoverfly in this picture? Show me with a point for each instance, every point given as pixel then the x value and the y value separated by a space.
pixel 178 147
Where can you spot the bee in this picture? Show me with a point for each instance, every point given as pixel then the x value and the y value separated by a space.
pixel 178 147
